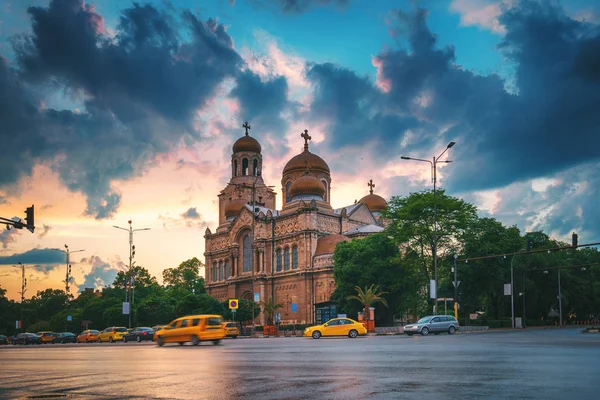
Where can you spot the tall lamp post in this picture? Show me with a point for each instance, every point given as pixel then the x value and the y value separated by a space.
pixel 433 163
pixel 23 290
pixel 131 254
pixel 253 242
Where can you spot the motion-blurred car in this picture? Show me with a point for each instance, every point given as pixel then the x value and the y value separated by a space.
pixel 64 337
pixel 87 336
pixel 46 336
pixel 112 334
pixel 433 324
pixel 139 334
pixel 232 330
pixel 27 338
pixel 192 328
pixel 336 327
pixel 3 339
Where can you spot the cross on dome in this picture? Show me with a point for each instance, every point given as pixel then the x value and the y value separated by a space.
pixel 371 185
pixel 246 126
pixel 306 138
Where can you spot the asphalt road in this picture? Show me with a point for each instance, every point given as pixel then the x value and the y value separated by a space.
pixel 540 364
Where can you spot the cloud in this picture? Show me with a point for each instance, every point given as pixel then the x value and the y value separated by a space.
pixel 46 229
pixel 102 274
pixel 298 6
pixel 191 213
pixel 35 256
pixel 46 268
pixel 190 218
pixel 483 13
pixel 129 113
pixel 9 236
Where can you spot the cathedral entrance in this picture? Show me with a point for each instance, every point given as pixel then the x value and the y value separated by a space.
pixel 325 311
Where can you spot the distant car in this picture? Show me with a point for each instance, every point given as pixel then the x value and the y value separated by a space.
pixel 112 334
pixel 433 324
pixel 232 330
pixel 27 338
pixel 46 336
pixel 65 337
pixel 87 336
pixel 139 334
pixel 3 339
pixel 336 327
pixel 192 328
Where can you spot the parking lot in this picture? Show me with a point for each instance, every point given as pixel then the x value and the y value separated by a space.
pixel 531 364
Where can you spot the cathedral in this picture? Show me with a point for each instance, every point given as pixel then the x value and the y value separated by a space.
pixel 287 254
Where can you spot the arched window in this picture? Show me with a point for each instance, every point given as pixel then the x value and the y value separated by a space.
pixel 287 191
pixel 279 260
pixel 295 257
pixel 235 171
pixel 214 274
pixel 221 270
pixel 227 274
pixel 255 167
pixel 247 254
pixel 245 166
pixel 286 259
pixel 325 186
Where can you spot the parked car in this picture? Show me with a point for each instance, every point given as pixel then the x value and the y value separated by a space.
pixel 87 336
pixel 65 337
pixel 112 334
pixel 232 330
pixel 336 327
pixel 46 336
pixel 3 339
pixel 139 334
pixel 27 338
pixel 192 328
pixel 433 324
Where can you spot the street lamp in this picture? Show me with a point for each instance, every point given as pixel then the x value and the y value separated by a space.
pixel 131 255
pixel 68 272
pixel 433 164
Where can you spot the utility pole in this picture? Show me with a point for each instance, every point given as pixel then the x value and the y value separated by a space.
pixel 131 255
pixel 23 290
pixel 455 283
pixel 68 272
pixel 560 296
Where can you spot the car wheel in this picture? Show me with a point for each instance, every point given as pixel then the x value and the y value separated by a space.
pixel 316 334
pixel 195 340
pixel 110 339
pixel 234 337
pixel 216 342
pixel 425 331
pixel 139 339
pixel 181 343
pixel 451 330
pixel 99 340
pixel 409 334
pixel 159 341
pixel 353 333
pixel 124 339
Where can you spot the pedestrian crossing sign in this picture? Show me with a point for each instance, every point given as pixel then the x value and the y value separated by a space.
pixel 233 304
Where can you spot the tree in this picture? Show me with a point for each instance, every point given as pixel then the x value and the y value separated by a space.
pixel 141 278
pixel 368 297
pixel 244 311
pixel 186 276
pixel 269 308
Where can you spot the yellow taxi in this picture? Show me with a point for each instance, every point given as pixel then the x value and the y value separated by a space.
pixel 231 329
pixel 112 334
pixel 192 328
pixel 87 336
pixel 336 327
pixel 46 336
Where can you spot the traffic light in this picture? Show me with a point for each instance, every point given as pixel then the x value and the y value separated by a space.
pixel 29 218
pixel 528 245
pixel 574 240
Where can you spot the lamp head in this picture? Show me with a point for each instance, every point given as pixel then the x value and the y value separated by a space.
pixel 405 158
pixel 451 144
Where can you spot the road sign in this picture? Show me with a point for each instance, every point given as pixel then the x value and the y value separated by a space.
pixel 125 308
pixel 277 317
pixel 507 289
pixel 256 297
pixel 18 325
pixel 294 307
pixel 69 318
pixel 432 289
pixel 233 304
pixel 456 284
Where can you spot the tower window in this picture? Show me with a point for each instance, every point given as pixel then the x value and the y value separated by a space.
pixel 221 270
pixel 287 191
pixel 295 257
pixel 325 186
pixel 245 166
pixel 247 254
pixel 235 169
pixel 279 260
pixel 227 269
pixel 214 274
pixel 254 167
pixel 286 259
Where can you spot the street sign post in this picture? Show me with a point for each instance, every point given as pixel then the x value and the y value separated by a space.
pixel 125 308
pixel 233 304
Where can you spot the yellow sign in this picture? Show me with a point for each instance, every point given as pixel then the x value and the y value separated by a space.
pixel 233 304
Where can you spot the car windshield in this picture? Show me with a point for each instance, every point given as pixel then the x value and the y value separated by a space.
pixel 94 332
pixel 213 321
pixel 145 329
pixel 231 325
pixel 423 320
pixel 121 330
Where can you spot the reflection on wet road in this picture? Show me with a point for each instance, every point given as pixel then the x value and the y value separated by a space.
pixel 532 364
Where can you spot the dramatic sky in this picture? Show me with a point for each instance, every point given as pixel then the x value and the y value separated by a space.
pixel 113 111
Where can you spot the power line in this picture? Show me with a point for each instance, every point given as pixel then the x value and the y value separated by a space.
pixel 529 252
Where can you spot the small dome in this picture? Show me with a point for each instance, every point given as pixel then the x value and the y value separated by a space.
pixel 306 159
pixel 374 203
pixel 246 143
pixel 326 244
pixel 234 207
pixel 307 184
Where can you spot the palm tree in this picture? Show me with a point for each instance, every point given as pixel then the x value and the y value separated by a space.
pixel 269 308
pixel 368 297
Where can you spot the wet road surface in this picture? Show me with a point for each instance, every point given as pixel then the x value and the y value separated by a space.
pixel 540 364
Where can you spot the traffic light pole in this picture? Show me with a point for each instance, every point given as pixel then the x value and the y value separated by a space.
pixel 29 217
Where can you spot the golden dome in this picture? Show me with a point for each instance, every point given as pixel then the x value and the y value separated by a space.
pixel 246 143
pixel 306 184
pixel 234 207
pixel 306 159
pixel 327 244
pixel 374 203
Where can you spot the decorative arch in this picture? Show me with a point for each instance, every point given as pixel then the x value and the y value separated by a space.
pixel 246 295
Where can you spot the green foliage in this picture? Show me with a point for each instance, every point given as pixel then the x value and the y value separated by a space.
pixel 269 308
pixel 39 326
pixel 244 311
pixel 141 278
pixel 185 276
pixel 368 297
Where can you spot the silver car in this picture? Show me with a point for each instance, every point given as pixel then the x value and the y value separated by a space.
pixel 433 324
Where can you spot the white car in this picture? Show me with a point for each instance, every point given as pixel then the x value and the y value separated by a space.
pixel 433 324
